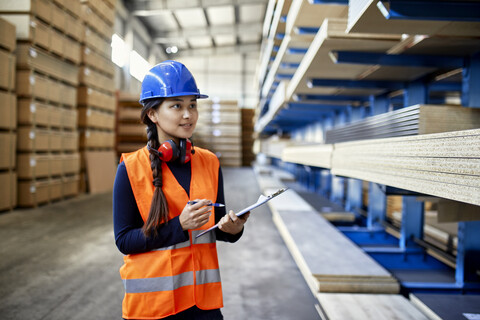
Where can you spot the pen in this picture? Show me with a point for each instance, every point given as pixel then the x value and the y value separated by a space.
pixel 211 204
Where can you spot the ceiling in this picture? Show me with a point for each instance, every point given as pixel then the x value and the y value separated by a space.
pixel 202 26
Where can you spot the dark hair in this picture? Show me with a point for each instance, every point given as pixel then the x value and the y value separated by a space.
pixel 159 208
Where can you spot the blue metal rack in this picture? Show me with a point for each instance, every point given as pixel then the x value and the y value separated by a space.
pixel 406 252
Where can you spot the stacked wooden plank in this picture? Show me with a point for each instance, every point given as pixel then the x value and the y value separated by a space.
pixel 274 146
pixel 131 133
pixel 8 121
pixel 323 254
pixel 417 119
pixel 219 129
pixel 247 136
pixel 445 165
pixel 96 92
pixel 48 54
pixel 318 155
pixel 367 306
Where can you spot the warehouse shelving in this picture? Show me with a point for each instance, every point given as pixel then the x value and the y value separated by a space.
pixel 396 77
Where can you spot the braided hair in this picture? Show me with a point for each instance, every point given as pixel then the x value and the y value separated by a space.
pixel 158 214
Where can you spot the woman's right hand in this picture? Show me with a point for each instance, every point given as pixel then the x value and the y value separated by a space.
pixel 194 216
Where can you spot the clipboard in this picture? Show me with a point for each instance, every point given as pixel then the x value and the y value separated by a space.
pixel 261 200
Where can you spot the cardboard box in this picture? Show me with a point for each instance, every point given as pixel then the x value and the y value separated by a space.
pixel 7 145
pixel 92 78
pixel 96 61
pixel 57 44
pixel 31 139
pixel 30 29
pixel 7 70
pixel 69 141
pixel 39 8
pixel 33 193
pixel 71 163
pixel 92 118
pixel 70 185
pixel 97 139
pixel 33 166
pixel 29 58
pixel 7 34
pixel 31 112
pixel 68 95
pixel 69 118
pixel 96 22
pixel 55 189
pixel 91 97
pixel 75 28
pixel 32 84
pixel 59 18
pixel 72 50
pixel 97 43
pixel 8 196
pixel 8 110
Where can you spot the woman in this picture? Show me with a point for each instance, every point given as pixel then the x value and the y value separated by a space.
pixel 162 199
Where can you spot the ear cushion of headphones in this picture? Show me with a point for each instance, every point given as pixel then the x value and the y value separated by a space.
pixel 189 150
pixel 168 151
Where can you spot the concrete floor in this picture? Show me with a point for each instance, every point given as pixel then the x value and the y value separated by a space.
pixel 60 262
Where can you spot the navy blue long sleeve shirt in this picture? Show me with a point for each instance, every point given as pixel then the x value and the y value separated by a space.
pixel 128 223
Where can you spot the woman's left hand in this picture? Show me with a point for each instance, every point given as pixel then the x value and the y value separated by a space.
pixel 232 224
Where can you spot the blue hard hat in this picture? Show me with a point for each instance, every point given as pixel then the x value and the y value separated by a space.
pixel 169 79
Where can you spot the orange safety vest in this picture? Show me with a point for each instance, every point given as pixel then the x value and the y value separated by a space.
pixel 168 280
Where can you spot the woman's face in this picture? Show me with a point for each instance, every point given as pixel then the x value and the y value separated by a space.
pixel 175 118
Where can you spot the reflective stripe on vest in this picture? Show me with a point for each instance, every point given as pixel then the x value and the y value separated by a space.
pixel 180 276
pixel 171 283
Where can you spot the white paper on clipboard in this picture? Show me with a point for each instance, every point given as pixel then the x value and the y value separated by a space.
pixel 261 200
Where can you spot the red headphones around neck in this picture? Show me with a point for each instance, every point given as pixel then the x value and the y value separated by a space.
pixel 170 151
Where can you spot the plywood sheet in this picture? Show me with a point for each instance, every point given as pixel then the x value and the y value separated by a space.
pixel 101 167
pixel 318 155
pixel 446 165
pixel 367 306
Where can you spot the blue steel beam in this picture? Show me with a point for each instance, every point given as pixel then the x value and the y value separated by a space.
pixel 453 10
pixel 297 50
pixel 314 107
pixel 356 84
pixel 283 76
pixel 332 98
pixel 399 60
pixel 289 65
pixel 307 30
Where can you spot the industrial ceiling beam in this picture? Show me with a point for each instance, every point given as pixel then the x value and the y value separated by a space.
pixel 222 50
pixel 158 7
pixel 215 30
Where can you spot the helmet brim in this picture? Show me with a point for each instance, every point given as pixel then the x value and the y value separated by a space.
pixel 180 94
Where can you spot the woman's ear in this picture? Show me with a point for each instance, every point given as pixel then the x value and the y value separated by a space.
pixel 152 115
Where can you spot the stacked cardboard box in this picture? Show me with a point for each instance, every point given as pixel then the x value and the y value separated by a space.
pixel 8 120
pixel 47 58
pixel 131 134
pixel 247 137
pixel 219 129
pixel 96 98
